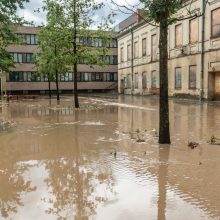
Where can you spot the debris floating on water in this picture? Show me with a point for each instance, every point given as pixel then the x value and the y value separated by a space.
pixel 193 145
pixel 6 125
pixel 114 153
pixel 214 140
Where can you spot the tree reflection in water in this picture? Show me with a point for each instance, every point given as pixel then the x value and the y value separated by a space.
pixel 164 152
pixel 78 184
pixel 12 180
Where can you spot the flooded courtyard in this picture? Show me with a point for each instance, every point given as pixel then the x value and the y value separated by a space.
pixel 103 162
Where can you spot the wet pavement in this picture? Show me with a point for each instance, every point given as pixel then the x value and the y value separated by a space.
pixel 103 161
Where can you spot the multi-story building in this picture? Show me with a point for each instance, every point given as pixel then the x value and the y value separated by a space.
pixel 22 79
pixel 194 54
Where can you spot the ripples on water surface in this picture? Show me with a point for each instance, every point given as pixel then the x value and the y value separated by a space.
pixel 58 163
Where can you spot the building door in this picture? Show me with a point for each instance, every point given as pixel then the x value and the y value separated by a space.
pixel 217 85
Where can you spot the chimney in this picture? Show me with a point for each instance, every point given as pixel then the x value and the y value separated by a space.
pixel 138 15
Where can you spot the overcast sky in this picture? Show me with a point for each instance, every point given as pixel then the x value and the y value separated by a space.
pixel 38 18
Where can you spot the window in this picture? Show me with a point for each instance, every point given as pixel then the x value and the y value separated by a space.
pixel 192 77
pixel 125 82
pixel 129 52
pixel 129 81
pixel 144 47
pixel 107 77
pixel 28 38
pixel 16 76
pixel 153 79
pixel 95 42
pixel 111 59
pixel 29 58
pixel 178 35
pixel 33 77
pixel 178 78
pixel 122 54
pixel 194 30
pixel 110 76
pixel 21 38
pixel 115 60
pixel 66 77
pixel 115 76
pixel 99 42
pixel 86 77
pixel 33 41
pixel 97 77
pixel 136 81
pixel 144 80
pixel 113 43
pixel 154 47
pixel 216 23
pixel 22 57
pixel 19 58
pixel 89 41
pixel 135 50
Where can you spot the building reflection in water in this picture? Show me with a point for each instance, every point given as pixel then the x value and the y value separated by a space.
pixel 73 149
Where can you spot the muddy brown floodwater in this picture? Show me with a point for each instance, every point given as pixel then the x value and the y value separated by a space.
pixel 103 161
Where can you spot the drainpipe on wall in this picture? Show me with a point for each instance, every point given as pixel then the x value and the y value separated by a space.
pixel 132 62
pixel 202 52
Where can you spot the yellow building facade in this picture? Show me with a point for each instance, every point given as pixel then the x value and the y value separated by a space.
pixel 194 57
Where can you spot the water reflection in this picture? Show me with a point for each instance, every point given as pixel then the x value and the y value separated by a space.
pixel 76 182
pixel 13 183
pixel 75 176
pixel 164 152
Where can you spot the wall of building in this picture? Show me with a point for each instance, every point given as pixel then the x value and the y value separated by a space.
pixel 184 52
pixel 25 85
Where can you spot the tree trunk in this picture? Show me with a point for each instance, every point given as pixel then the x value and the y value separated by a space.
pixel 49 83
pixel 57 85
pixel 75 60
pixel 164 130
pixel 75 87
pixel 57 75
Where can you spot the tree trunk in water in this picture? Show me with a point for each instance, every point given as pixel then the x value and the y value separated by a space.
pixel 164 130
pixel 49 88
pixel 57 86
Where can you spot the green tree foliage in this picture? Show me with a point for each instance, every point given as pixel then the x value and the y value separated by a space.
pixel 51 61
pixel 156 10
pixel 80 18
pixel 67 40
pixel 8 18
